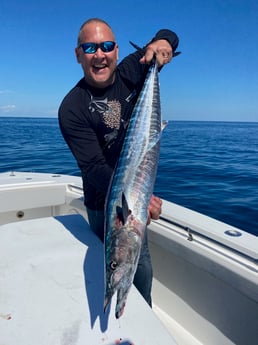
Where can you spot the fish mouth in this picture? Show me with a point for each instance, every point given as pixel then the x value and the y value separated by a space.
pixel 107 303
pixel 120 312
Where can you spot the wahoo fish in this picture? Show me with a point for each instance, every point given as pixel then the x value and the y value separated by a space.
pixel 130 191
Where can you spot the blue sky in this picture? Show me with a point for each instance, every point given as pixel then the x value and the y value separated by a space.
pixel 215 77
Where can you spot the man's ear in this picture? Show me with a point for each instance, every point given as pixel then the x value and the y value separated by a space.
pixel 117 56
pixel 77 54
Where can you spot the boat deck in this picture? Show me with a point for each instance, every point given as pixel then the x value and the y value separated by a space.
pixel 52 289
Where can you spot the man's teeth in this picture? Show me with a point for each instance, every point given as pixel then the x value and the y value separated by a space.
pixel 99 66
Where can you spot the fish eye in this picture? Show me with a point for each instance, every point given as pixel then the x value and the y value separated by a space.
pixel 113 265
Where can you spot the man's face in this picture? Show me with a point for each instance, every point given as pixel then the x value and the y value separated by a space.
pixel 99 67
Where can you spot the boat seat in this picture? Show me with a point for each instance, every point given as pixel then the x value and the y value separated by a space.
pixel 31 197
pixel 52 289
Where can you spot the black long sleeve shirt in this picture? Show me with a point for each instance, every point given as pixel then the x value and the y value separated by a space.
pixel 93 122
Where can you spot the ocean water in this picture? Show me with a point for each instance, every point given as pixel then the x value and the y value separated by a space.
pixel 209 167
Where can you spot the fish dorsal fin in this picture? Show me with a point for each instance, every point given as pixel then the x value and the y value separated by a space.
pixel 123 212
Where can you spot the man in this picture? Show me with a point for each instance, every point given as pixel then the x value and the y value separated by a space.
pixel 94 115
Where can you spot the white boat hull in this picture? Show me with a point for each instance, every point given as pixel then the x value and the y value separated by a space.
pixel 205 281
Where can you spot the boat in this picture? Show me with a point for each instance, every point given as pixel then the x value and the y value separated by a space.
pixel 205 285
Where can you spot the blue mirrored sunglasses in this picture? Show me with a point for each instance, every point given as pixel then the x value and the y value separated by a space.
pixel 91 47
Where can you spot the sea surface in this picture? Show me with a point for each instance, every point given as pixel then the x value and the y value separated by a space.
pixel 209 167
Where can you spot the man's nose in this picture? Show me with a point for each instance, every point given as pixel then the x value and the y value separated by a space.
pixel 99 53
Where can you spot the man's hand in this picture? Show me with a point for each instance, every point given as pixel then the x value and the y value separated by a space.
pixel 161 49
pixel 154 208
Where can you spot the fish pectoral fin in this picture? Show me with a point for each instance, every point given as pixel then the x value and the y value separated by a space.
pixel 163 125
pixel 123 212
pixel 157 136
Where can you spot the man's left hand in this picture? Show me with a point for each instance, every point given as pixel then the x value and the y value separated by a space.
pixel 154 208
pixel 162 51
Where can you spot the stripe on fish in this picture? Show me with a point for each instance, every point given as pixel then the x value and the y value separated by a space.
pixel 130 191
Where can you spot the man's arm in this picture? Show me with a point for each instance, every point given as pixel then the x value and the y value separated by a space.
pixel 83 143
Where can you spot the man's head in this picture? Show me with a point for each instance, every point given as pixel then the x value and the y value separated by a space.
pixel 98 60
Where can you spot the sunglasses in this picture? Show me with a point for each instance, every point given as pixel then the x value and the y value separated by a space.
pixel 91 48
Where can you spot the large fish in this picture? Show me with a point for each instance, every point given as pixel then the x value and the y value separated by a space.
pixel 130 192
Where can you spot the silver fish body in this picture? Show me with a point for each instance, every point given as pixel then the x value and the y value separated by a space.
pixel 130 191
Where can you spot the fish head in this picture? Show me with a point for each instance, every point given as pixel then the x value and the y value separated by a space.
pixel 122 257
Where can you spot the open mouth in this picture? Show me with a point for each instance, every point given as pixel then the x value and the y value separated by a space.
pixel 98 68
